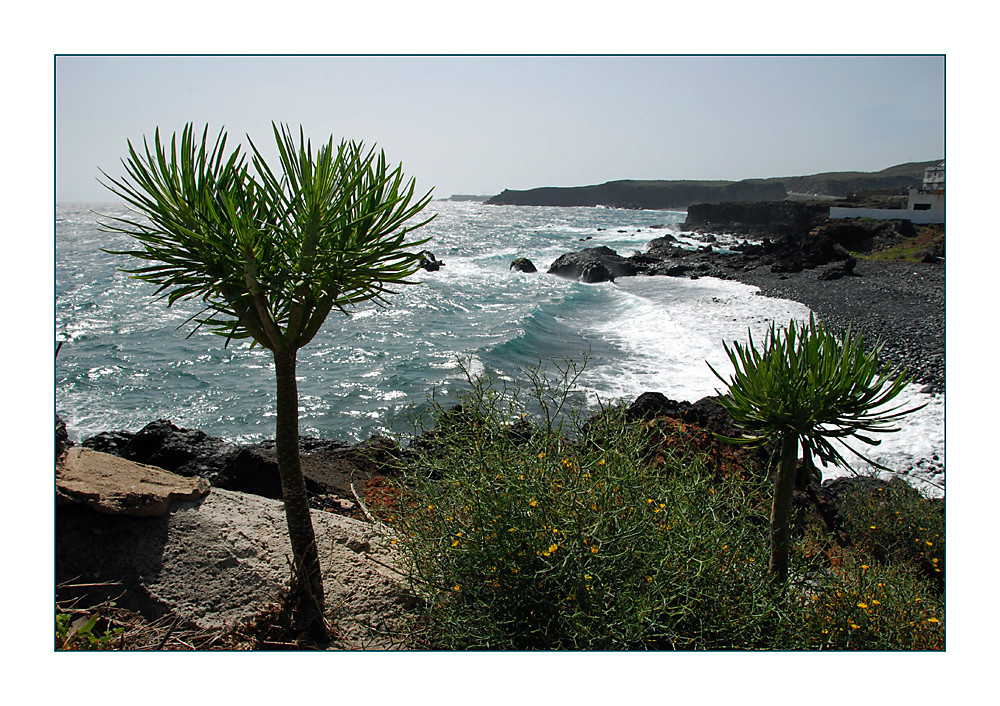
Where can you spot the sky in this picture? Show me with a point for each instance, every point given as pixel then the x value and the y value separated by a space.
pixel 481 124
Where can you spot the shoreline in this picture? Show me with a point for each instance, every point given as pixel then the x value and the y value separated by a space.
pixel 899 303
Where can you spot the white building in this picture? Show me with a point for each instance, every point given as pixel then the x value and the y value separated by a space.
pixel 923 205
pixel 930 195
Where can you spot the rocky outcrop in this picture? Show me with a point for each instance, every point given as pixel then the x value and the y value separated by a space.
pixel 330 466
pixel 523 264
pixel 429 262
pixel 601 264
pixel 789 245
pixel 116 486
pixel 756 219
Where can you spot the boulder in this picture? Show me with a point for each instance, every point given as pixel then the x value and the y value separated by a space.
pixel 218 560
pixel 523 264
pixel 114 485
pixel 429 262
pixel 186 452
pixel 600 264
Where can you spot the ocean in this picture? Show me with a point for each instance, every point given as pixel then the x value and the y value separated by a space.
pixel 127 359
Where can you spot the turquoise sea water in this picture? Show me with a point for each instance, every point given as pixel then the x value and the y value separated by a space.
pixel 125 363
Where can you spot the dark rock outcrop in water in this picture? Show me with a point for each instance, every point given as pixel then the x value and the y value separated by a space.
pixel 523 264
pixel 429 262
pixel 601 264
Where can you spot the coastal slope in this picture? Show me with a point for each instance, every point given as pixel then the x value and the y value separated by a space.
pixel 667 195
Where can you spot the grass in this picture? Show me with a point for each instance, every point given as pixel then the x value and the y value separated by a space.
pixel 911 249
pixel 528 525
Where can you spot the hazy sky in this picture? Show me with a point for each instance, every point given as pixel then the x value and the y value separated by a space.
pixel 480 124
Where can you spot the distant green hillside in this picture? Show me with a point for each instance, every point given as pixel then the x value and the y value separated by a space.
pixel 681 194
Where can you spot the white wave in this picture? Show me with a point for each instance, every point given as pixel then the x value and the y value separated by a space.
pixel 673 328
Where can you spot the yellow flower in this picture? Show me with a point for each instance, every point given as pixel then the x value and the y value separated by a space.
pixel 865 566
pixel 855 626
pixel 862 605
pixel 457 587
pixel 875 602
pixel 455 543
pixel 932 620
pixel 541 455
pixel 601 462
pixel 593 550
pixel 533 502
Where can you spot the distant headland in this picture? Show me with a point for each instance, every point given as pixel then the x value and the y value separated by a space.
pixel 481 198
pixel 678 195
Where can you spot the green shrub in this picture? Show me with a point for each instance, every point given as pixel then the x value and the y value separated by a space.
pixel 616 533
pixel 570 539
pixel 893 523
pixel 871 607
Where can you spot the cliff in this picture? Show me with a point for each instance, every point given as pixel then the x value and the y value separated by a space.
pixel 679 195
pixel 659 195
pixel 774 217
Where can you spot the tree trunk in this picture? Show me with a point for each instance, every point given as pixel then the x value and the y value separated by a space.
pixel 781 507
pixel 307 581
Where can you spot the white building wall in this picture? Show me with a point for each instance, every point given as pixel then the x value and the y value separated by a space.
pixel 925 198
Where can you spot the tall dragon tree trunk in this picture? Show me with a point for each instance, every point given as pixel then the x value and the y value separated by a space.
pixel 781 507
pixel 307 581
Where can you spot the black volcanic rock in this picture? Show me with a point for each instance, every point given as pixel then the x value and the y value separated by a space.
pixel 601 264
pixel 429 262
pixel 523 264
pixel 755 218
pixel 330 467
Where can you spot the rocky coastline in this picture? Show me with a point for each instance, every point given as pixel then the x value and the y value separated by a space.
pixel 806 258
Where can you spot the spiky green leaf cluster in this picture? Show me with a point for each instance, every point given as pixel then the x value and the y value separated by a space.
pixel 270 253
pixel 807 381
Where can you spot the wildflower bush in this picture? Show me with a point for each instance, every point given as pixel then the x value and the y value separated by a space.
pixel 556 531
pixel 894 523
pixel 872 607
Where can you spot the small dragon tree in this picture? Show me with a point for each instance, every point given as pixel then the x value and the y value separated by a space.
pixel 270 255
pixel 805 387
